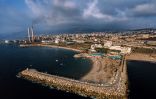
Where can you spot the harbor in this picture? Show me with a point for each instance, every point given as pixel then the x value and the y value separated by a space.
pixel 108 77
pixel 100 88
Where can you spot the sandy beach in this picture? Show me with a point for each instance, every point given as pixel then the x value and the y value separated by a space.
pixel 52 46
pixel 103 70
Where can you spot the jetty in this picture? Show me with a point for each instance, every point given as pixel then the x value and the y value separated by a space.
pixel 115 90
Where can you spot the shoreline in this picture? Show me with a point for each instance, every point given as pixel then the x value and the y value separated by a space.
pixel 93 66
pixel 104 70
pixel 67 48
pixel 97 66
pixel 141 57
pixel 52 46
pixel 105 73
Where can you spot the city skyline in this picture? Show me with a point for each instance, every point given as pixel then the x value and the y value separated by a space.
pixel 75 15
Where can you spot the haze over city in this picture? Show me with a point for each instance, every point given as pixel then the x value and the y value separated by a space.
pixel 58 16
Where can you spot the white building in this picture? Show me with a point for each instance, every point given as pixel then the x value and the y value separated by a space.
pixel 92 47
pixel 6 41
pixel 98 46
pixel 108 44
pixel 123 50
pixel 57 40
pixel 145 35
pixel 126 50
pixel 95 40
pixel 47 41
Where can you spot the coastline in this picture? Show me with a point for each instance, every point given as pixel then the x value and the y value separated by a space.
pixel 104 70
pixel 141 57
pixel 67 48
pixel 52 46
pixel 101 71
pixel 100 77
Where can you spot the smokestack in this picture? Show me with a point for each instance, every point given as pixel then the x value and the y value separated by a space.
pixel 32 34
pixel 29 34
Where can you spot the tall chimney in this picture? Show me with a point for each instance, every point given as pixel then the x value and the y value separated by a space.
pixel 29 34
pixel 32 34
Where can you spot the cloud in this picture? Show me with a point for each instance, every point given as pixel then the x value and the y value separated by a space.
pixel 64 3
pixel 76 15
pixel 53 12
pixel 70 5
pixel 69 13
pixel 37 11
pixel 147 9
pixel 93 11
pixel 58 12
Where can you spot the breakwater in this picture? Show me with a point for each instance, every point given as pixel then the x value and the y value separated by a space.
pixel 117 90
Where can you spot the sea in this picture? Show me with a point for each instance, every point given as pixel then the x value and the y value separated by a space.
pixel 142 79
pixel 56 61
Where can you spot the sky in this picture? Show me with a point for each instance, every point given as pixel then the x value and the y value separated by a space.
pixel 57 16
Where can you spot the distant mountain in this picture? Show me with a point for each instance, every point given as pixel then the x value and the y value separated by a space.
pixel 72 30
pixel 144 29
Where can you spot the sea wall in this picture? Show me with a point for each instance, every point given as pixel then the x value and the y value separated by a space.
pixel 115 91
